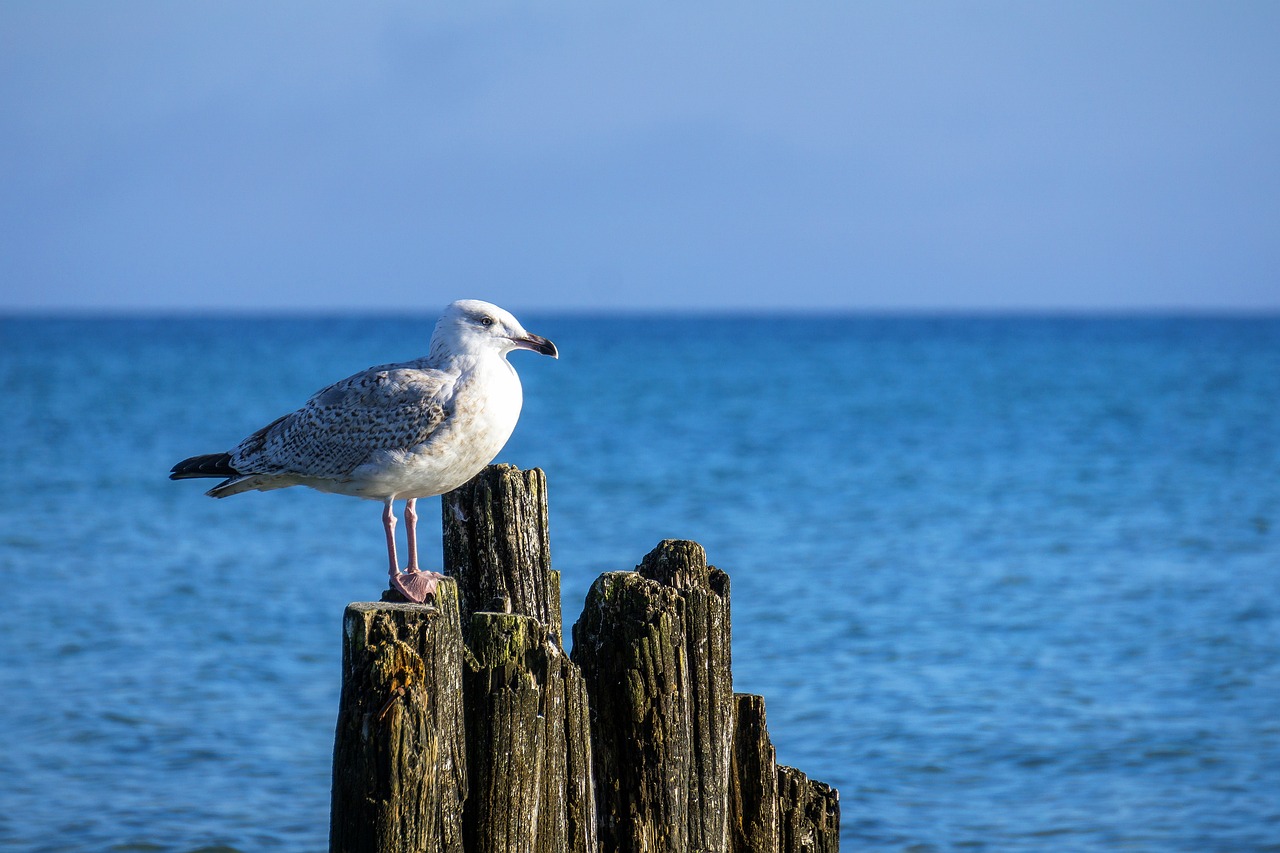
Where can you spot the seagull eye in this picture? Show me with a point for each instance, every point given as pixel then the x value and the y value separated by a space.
pixel 486 321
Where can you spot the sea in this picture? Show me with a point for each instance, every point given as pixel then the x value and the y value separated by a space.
pixel 1008 582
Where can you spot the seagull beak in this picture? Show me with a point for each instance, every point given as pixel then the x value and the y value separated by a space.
pixel 536 343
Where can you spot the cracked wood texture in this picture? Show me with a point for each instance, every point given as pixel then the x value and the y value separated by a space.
pixel 776 809
pixel 809 814
pixel 754 780
pixel 399 769
pixel 654 647
pixel 528 742
pixel 497 546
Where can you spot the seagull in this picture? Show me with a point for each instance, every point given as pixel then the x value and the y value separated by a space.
pixel 394 432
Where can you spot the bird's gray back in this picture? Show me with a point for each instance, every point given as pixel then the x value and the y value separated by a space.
pixel 387 408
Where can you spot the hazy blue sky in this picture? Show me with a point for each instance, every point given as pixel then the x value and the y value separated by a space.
pixel 394 156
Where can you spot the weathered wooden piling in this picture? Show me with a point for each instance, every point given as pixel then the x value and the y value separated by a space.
pixel 654 647
pixel 776 809
pixel 808 813
pixel 529 742
pixel 464 726
pixel 755 779
pixel 497 545
pixel 399 754
pixel 529 748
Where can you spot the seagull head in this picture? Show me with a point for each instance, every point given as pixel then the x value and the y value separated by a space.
pixel 470 326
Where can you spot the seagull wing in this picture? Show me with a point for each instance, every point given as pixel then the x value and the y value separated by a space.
pixel 388 408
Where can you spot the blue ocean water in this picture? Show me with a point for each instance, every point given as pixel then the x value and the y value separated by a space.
pixel 1009 583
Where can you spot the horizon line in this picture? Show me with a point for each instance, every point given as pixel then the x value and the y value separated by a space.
pixel 338 312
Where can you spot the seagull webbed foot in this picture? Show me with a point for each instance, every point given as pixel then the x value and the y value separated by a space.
pixel 415 586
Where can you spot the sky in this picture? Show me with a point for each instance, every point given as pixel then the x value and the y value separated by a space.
pixel 903 156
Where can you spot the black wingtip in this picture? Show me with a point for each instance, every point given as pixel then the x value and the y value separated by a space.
pixel 207 465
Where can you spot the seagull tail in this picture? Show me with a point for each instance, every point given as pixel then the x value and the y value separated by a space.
pixel 209 465
pixel 219 465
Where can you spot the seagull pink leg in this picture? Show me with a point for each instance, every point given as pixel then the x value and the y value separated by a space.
pixel 411 531
pixel 413 584
pixel 389 525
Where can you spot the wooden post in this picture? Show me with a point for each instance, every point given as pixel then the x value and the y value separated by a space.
pixel 529 747
pixel 754 780
pixel 529 737
pixel 496 545
pixel 809 814
pixel 637 743
pixel 654 647
pixel 399 767
pixel 704 592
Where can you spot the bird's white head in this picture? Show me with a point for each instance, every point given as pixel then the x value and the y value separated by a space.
pixel 472 327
